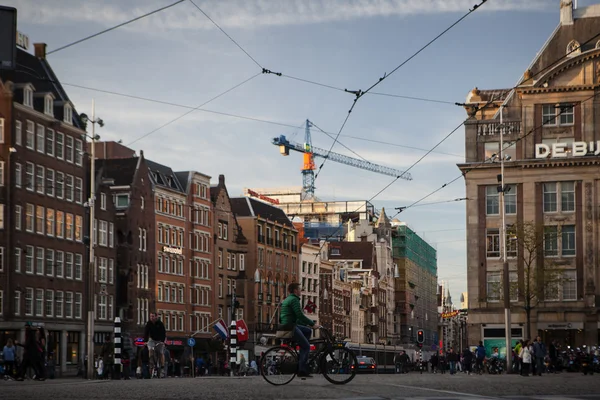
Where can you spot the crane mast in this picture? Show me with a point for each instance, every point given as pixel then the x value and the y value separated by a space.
pixel 310 152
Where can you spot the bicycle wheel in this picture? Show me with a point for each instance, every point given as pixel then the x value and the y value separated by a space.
pixel 279 365
pixel 339 365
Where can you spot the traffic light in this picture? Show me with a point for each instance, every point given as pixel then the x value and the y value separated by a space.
pixel 420 336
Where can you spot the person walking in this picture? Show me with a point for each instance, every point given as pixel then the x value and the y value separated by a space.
pixel 539 351
pixel 31 355
pixel 479 357
pixel 9 353
pixel 467 360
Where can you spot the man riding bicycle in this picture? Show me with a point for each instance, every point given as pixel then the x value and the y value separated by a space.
pixel 293 319
pixel 155 335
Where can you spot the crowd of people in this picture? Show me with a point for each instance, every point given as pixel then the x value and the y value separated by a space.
pixel 28 359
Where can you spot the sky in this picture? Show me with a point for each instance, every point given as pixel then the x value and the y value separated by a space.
pixel 179 56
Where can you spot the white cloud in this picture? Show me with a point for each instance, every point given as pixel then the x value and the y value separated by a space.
pixel 248 14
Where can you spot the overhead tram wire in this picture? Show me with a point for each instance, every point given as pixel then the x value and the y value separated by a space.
pixel 228 36
pixel 192 110
pixel 114 27
pixel 359 93
pixel 486 162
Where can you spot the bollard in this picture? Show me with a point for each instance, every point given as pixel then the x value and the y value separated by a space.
pixel 232 347
pixel 117 352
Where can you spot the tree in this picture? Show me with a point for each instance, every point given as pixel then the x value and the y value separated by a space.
pixel 528 243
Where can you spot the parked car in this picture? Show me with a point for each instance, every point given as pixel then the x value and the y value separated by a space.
pixel 366 364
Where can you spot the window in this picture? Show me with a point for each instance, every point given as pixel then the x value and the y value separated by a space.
pixel 39 260
pixel 18 252
pixel 561 285
pixel 1 258
pixel 569 285
pixel 60 224
pixel 18 133
pixel 567 240
pixel 103 270
pixel 78 266
pixel 28 301
pixel 18 217
pixel 510 199
pixel 493 286
pixel 68 114
pixel 220 287
pixel 17 303
pixel 550 241
pixel 69 226
pixel 59 185
pixel 1 173
pixel 60 143
pixel 49 303
pixel 41 139
pixel 103 201
pixel 29 180
pixel 220 259
pixel 49 262
pixel 50 229
pixel 28 97
pixel 18 175
pixel 493 243
pixel 30 136
pixel 225 233
pixel 1 216
pixel 562 115
pixel 122 201
pixel 79 228
pixel 220 230
pixel 511 246
pixel 69 148
pixel 50 182
pixel 60 266
pixel 242 262
pixel 69 188
pixel 40 179
pixel 78 152
pixel 103 237
pixel 102 307
pixel 111 235
pixel 550 197
pixel 78 190
pixel 29 259
pixel 492 203
pixel 68 304
pixel 69 265
pixel 78 305
pixel 553 202
pixel 50 142
pixel 39 302
pixel 58 300
pixel 39 220
pixel 567 196
pixel 1 130
pixel 111 272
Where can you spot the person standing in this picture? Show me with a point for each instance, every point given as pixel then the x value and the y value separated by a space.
pixel 467 360
pixel 107 353
pixel 31 355
pixel 526 358
pixel 9 353
pixel 539 351
pixel 479 357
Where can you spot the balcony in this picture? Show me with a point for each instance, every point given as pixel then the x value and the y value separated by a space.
pixel 261 238
pixel 492 128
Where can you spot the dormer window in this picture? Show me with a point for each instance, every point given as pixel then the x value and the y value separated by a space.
pixel 68 117
pixel 49 105
pixel 573 48
pixel 28 97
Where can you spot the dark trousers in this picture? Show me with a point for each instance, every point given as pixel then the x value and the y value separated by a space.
pixel 302 336
pixel 525 368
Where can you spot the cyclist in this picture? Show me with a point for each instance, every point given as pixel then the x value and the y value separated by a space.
pixel 293 319
pixel 155 336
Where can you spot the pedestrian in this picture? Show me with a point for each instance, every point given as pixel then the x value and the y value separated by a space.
pixel 51 365
pixel 397 363
pixel 539 351
pixel 526 357
pixel 467 360
pixel 126 362
pixel 108 355
pixel 243 367
pixel 479 357
pixel 452 358
pixel 404 361
pixel 434 362
pixel 31 355
pixel 9 353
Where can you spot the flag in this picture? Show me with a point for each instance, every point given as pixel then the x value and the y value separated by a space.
pixel 310 307
pixel 221 328
pixel 242 330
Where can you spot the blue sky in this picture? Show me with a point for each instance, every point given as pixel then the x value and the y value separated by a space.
pixel 179 56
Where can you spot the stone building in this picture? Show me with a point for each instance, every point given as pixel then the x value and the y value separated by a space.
pixel 550 124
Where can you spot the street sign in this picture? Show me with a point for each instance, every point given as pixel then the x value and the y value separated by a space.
pixel 191 342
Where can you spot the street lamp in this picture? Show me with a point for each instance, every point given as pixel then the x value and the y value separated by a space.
pixel 91 268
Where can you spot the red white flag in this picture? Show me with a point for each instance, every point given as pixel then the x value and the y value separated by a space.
pixel 310 307
pixel 242 331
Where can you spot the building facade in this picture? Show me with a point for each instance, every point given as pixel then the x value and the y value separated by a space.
pixel 310 273
pixel 43 222
pixel 271 262
pixel 230 258
pixel 549 126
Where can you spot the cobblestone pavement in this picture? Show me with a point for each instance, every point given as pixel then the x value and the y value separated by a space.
pixel 375 387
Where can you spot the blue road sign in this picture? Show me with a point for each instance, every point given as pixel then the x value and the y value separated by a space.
pixel 191 342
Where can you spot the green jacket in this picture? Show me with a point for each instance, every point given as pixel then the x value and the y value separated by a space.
pixel 291 312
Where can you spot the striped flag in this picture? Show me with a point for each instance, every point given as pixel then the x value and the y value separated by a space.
pixel 221 329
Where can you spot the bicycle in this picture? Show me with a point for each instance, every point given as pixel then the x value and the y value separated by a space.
pixel 154 347
pixel 279 364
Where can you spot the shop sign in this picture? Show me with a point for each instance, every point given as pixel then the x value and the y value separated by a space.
pixel 139 342
pixel 560 325
pixel 175 342
pixel 263 197
pixel 563 149
pixel 450 314
pixel 172 250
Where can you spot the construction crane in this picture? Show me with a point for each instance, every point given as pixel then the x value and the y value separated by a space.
pixel 310 152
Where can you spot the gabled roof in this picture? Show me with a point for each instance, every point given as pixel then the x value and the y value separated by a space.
pixel 250 207
pixel 353 251
pixel 37 71
pixel 164 176
pixel 215 190
pixel 122 170
pixel 184 178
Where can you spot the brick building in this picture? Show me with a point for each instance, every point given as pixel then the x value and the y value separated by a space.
pixel 231 248
pixel 271 262
pixel 43 223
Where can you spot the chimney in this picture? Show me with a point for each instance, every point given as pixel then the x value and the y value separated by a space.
pixel 221 179
pixel 566 12
pixel 40 50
